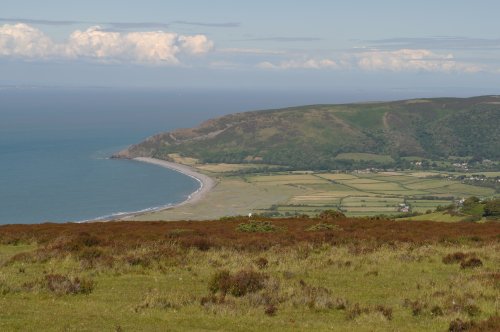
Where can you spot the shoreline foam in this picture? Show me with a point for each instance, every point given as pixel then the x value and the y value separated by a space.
pixel 206 184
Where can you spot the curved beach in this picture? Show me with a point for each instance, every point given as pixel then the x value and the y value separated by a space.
pixel 206 182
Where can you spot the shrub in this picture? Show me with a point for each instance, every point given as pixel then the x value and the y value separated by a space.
pixel 220 282
pixel 257 227
pixel 471 263
pixel 492 208
pixel 238 284
pixel 331 215
pixel 246 281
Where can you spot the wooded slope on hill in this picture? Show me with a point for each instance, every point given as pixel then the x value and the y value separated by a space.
pixel 313 136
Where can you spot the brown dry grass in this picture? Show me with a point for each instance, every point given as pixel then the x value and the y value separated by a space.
pixel 203 235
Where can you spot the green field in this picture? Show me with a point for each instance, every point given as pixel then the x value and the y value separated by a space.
pixel 367 194
pixel 437 216
pixel 355 193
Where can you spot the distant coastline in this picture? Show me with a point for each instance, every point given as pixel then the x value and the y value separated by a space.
pixel 206 185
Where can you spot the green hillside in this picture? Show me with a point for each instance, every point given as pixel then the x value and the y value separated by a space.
pixel 321 136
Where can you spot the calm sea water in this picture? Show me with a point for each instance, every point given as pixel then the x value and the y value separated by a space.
pixel 54 145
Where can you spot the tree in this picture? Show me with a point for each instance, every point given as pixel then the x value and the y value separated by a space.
pixel 492 208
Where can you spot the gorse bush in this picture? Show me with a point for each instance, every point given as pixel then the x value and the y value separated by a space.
pixel 257 227
pixel 331 215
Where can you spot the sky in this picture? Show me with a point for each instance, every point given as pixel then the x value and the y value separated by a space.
pixel 448 46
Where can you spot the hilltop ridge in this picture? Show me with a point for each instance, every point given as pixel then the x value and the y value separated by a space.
pixel 323 136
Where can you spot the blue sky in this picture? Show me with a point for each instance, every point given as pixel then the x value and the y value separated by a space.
pixel 302 45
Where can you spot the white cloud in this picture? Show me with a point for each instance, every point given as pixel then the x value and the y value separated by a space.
pixel 412 60
pixel 153 46
pixel 22 40
pixel 156 47
pixel 159 47
pixel 198 44
pixel 300 64
pixel 95 43
pixel 376 60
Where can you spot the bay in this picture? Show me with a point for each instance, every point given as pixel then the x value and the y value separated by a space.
pixel 55 144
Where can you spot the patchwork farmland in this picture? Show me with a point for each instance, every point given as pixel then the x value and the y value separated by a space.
pixel 367 193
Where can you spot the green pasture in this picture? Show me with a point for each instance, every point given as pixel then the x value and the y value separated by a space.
pixel 356 193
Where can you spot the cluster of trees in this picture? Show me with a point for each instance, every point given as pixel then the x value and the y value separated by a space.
pixel 492 208
pixel 475 207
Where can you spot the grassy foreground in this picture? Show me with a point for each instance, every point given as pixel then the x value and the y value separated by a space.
pixel 289 275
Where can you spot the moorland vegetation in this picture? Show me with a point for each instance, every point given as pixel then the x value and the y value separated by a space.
pixel 306 273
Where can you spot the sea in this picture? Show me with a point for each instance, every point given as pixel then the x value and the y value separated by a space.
pixel 55 145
